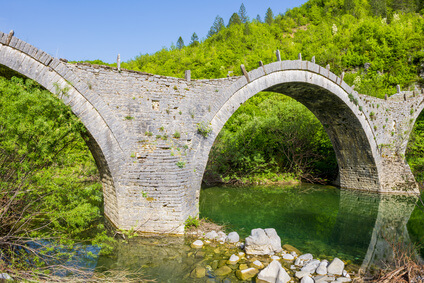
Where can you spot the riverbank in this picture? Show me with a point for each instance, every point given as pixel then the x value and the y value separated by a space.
pixel 262 257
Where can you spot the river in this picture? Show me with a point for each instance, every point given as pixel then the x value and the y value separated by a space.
pixel 355 226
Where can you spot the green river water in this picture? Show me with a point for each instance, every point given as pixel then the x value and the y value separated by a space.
pixel 322 220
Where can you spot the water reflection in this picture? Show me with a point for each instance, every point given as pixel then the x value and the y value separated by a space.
pixel 325 221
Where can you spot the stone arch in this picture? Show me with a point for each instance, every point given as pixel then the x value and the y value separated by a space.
pixel 327 97
pixel 106 137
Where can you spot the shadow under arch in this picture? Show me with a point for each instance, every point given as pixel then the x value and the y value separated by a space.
pixel 102 141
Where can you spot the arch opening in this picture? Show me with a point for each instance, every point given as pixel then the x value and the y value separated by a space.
pixel 347 128
pixel 101 162
pixel 271 138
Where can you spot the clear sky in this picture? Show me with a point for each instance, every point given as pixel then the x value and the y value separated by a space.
pixel 94 29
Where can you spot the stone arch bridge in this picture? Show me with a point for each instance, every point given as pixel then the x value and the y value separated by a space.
pixel 145 137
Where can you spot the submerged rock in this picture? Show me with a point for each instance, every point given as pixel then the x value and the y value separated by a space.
pixel 198 272
pixel 223 271
pixel 246 274
pixel 262 242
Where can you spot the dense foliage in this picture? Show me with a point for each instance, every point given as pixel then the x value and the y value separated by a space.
pixel 48 179
pixel 271 138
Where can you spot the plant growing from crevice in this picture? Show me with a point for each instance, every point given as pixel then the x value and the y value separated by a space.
pixel 204 129
pixel 180 164
pixel 191 222
pixel 177 135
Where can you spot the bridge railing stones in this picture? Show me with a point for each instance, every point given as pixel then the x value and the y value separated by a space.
pixel 151 176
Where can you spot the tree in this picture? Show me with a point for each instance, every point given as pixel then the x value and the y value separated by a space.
pixel 269 16
pixel 242 13
pixel 258 18
pixel 218 25
pixel 234 20
pixel 180 43
pixel 378 7
pixel 194 40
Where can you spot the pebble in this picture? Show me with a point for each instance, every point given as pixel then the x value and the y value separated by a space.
pixel 232 237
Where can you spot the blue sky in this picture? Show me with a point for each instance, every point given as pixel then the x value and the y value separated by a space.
pixel 92 29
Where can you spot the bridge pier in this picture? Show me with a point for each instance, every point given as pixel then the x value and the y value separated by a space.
pixel 151 135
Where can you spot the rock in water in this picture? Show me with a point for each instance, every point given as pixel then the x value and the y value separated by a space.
pixel 198 272
pixel 233 259
pixel 261 242
pixel 222 271
pixel 197 244
pixel 274 272
pixel 246 274
pixel 233 237
pixel 274 239
pixel 336 267
pixel 258 264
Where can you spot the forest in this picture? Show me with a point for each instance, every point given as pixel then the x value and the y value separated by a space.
pixel 50 184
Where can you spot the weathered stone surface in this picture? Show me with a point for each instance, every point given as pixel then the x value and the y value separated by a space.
pixel 321 270
pixel 223 271
pixel 274 239
pixel 233 259
pixel 311 266
pixel 125 110
pixel 233 237
pixel 274 272
pixel 246 274
pixel 306 257
pixel 336 267
pixel 212 235
pixel 257 264
pixel 198 244
pixel 301 274
pixel 307 279
pixel 261 242
pixel 288 257
pixel 198 272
